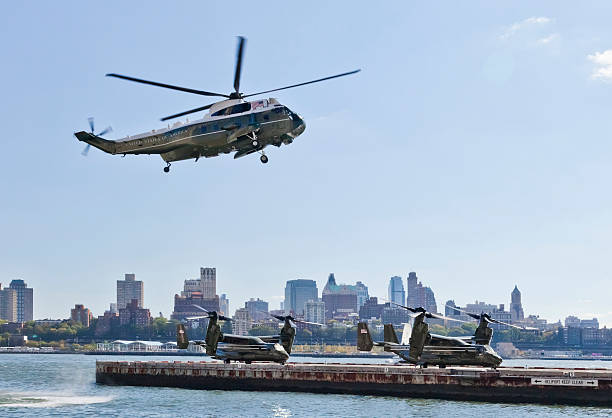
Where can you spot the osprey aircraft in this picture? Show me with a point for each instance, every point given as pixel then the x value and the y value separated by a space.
pixel 419 346
pixel 229 347
pixel 231 125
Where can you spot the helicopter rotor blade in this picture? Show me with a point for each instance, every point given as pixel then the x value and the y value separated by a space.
pixel 241 42
pixel 446 318
pixel 178 115
pixel 200 308
pixel 490 320
pixel 91 124
pixel 302 84
pixel 85 150
pixel 167 86
pixel 193 318
pixel 308 322
pixel 413 310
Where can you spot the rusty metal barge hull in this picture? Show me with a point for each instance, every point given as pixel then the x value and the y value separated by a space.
pixel 512 385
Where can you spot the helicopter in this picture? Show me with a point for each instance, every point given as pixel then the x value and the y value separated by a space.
pixel 231 125
pixel 228 347
pixel 419 346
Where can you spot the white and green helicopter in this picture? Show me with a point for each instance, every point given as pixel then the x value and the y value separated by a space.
pixel 231 125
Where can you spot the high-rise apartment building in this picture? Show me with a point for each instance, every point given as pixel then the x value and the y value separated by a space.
pixel 134 316
pixel 242 322
pixel 81 314
pixel 129 289
pixel 25 300
pixel 8 304
pixel 297 293
pixel 314 311
pixel 396 293
pixel 258 309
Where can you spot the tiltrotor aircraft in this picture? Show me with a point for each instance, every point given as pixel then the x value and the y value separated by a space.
pixel 228 347
pixel 419 346
pixel 231 125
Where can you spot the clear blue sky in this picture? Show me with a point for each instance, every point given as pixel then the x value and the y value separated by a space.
pixel 474 148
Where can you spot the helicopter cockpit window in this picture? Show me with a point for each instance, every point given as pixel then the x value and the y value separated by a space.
pixel 239 108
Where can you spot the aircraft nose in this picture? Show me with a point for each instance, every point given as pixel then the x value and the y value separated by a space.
pixel 298 125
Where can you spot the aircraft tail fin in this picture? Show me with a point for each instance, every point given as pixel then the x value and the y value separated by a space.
pixel 483 333
pixel 181 337
pixel 364 339
pixel 419 338
pixel 390 335
pixel 96 141
pixel 287 335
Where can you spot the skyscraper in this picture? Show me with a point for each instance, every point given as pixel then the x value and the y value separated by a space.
pixel 340 300
pixel 208 277
pixel 8 304
pixel 25 300
pixel 412 297
pixel 297 293
pixel 362 294
pixel 419 295
pixel 396 290
pixel 516 307
pixel 224 308
pixel 258 309
pixel 129 289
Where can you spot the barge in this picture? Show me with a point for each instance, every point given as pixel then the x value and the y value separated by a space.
pixel 576 386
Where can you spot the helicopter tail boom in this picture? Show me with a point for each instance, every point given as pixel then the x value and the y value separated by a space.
pixel 96 141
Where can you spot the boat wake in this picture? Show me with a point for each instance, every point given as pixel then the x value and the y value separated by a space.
pixel 46 400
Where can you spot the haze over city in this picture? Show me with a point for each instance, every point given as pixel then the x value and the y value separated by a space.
pixel 472 148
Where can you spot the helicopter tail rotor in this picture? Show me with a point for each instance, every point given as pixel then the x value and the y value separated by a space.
pixel 105 131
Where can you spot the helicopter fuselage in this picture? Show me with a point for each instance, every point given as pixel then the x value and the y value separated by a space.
pixel 230 126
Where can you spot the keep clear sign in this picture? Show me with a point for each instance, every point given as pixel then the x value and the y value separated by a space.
pixel 560 381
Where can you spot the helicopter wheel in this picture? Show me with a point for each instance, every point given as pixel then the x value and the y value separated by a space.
pixel 167 168
pixel 263 159
pixel 255 143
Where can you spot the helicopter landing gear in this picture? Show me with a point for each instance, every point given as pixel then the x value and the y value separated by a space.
pixel 263 158
pixel 254 141
pixel 167 168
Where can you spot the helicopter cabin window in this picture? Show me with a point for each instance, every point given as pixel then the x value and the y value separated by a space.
pixel 259 104
pixel 231 110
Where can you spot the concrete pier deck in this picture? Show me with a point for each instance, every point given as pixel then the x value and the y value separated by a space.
pixel 505 384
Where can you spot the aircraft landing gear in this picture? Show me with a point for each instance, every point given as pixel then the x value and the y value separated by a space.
pixel 263 158
pixel 167 168
pixel 254 141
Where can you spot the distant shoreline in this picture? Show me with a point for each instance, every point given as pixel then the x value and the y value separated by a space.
pixel 301 354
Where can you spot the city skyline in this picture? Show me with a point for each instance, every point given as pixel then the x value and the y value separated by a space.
pixel 207 280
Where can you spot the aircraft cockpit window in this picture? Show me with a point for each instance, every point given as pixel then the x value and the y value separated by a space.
pixel 239 108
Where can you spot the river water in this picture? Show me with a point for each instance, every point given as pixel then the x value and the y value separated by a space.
pixel 64 385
